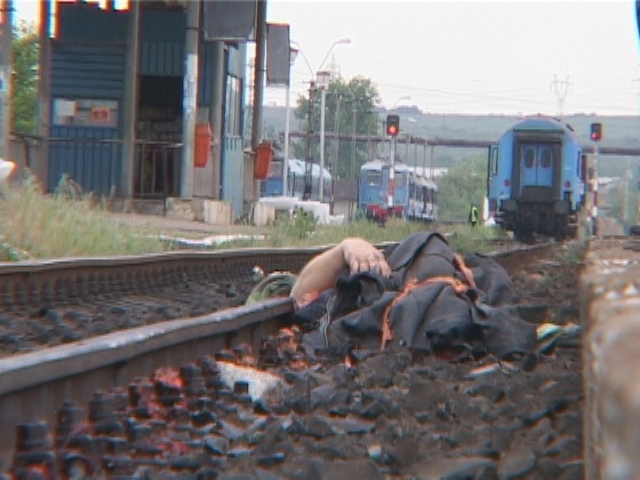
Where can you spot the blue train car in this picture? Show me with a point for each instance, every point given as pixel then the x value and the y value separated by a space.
pixel 272 185
pixel 414 196
pixel 536 178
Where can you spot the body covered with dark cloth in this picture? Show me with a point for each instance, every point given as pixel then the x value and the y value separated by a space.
pixel 433 300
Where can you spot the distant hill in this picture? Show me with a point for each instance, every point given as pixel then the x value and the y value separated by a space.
pixel 619 131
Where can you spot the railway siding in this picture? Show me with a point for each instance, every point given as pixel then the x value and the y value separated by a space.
pixel 610 300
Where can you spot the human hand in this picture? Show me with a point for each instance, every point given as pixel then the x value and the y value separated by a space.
pixel 361 256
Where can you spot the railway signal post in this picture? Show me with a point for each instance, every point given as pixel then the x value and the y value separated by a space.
pixel 596 136
pixel 393 127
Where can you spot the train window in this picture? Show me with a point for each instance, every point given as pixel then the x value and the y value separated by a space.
pixel 545 158
pixel 374 179
pixel 494 160
pixel 579 163
pixel 528 158
pixel 401 178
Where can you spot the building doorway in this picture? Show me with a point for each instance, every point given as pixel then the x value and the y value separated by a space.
pixel 158 136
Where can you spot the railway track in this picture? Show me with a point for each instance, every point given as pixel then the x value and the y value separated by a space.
pixel 34 385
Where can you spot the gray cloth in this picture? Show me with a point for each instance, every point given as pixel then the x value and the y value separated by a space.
pixel 431 316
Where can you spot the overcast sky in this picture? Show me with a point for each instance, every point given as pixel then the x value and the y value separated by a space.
pixel 475 56
pixel 511 57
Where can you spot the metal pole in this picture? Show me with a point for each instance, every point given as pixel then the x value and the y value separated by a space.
pixel 431 164
pixel 6 7
pixel 595 191
pixel 334 169
pixel 424 159
pixel 129 157
pixel 353 144
pixel 392 174
pixel 308 163
pixel 285 163
pixel 323 95
pixel 258 83
pixel 215 116
pixel 41 169
pixel 407 140
pixel 189 98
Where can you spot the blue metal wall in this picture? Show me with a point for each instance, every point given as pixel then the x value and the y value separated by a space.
pixel 86 72
pixel 88 62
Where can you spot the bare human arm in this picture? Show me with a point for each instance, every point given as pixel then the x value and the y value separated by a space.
pixel 351 255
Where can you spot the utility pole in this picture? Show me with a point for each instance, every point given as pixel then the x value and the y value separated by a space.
pixel 189 99
pixel 323 96
pixel 258 85
pixel 334 169
pixel 131 94
pixel 6 17
pixel 353 142
pixel 392 174
pixel 41 169
pixel 308 164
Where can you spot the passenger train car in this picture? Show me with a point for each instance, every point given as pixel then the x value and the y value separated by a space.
pixel 272 185
pixel 536 178
pixel 415 196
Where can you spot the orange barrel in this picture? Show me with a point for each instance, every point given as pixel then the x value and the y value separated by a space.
pixel 264 154
pixel 202 148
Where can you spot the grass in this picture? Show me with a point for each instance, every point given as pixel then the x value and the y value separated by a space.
pixel 37 226
pixel 33 225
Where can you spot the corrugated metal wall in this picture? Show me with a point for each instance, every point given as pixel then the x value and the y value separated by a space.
pixel 84 69
pixel 81 71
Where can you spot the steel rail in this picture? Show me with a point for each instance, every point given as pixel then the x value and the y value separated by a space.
pixel 35 385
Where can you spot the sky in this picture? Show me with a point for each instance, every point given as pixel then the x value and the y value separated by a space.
pixel 512 57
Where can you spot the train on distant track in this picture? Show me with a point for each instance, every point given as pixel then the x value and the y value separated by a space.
pixel 272 185
pixel 536 179
pixel 415 196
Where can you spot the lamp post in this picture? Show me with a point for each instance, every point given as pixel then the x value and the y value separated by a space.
pixel 293 53
pixel 403 97
pixel 321 79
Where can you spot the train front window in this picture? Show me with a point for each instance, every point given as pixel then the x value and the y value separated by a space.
pixel 546 157
pixel 373 179
pixel 401 178
pixel 529 156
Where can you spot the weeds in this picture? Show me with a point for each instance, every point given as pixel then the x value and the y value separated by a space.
pixel 60 225
pixel 71 223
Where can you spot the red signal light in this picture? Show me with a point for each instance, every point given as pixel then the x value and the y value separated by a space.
pixel 596 132
pixel 393 125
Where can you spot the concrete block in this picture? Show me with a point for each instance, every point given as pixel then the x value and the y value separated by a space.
pixel 180 209
pixel 610 301
pixel 217 213
pixel 263 215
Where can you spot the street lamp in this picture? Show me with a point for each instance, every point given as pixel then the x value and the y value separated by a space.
pixel 321 78
pixel 403 97
pixel 293 53
pixel 322 81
